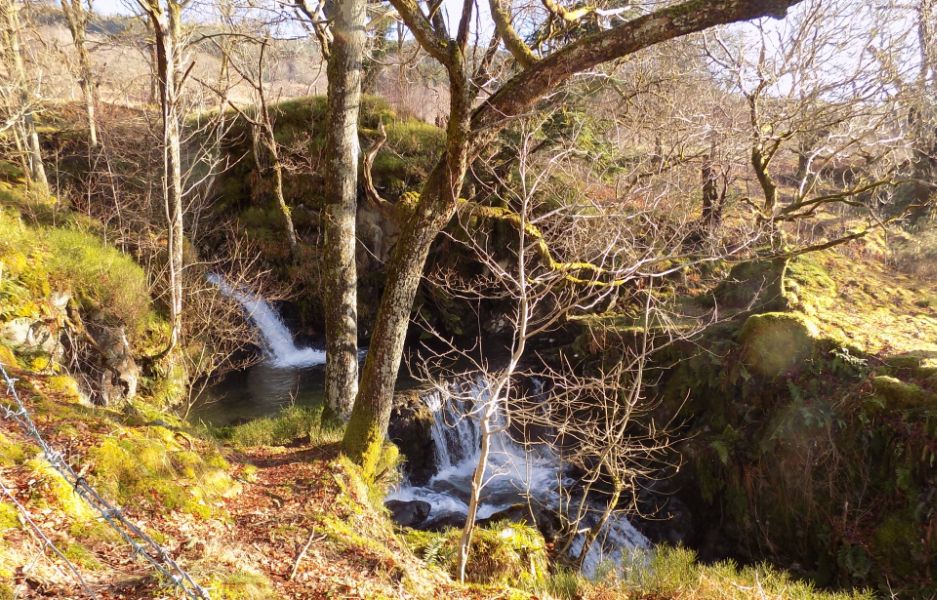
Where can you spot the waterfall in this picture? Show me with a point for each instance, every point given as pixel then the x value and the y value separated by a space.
pixel 515 475
pixel 278 341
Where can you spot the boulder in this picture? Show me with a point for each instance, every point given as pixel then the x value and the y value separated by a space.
pixel 409 513
pixel 119 373
pixel 410 429
pixel 775 344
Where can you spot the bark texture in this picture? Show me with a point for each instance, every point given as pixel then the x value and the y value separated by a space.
pixel 341 181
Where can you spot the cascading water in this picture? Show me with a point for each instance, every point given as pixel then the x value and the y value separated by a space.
pixel 278 341
pixel 514 476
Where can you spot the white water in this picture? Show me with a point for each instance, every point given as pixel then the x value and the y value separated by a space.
pixel 278 341
pixel 514 475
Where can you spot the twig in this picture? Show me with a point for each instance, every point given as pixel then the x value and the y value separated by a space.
pixel 302 553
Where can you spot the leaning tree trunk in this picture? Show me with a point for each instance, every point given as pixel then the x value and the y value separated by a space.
pixel 341 184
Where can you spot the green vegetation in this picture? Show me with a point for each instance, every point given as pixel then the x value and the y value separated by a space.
pixel 503 554
pixel 803 417
pixel 675 573
pixel 157 466
pixel 284 428
pixel 65 255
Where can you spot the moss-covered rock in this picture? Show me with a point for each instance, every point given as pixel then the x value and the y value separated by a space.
pixel 775 344
pixel 755 284
pixel 901 394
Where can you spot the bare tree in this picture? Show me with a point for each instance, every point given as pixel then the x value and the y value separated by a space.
pixel 19 94
pixel 76 15
pixel 469 129
pixel 839 120
pixel 165 18
pixel 561 260
pixel 263 134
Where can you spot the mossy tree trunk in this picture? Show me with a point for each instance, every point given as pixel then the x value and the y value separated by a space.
pixel 341 184
pixel 466 135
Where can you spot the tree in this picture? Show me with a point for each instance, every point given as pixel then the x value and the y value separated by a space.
pixel 837 119
pixel 266 147
pixel 339 25
pixel 18 94
pixel 345 59
pixel 76 15
pixel 467 132
pixel 165 18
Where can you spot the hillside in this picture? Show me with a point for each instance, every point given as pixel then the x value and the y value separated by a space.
pixel 240 513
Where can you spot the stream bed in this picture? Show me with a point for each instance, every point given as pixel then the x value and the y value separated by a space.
pixel 522 482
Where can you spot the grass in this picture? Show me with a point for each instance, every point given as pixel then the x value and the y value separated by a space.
pixel 160 467
pixel 675 573
pixel 39 259
pixel 282 429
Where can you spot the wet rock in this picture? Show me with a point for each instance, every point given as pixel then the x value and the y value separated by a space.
pixel 409 513
pixel 670 524
pixel 410 429
pixel 444 521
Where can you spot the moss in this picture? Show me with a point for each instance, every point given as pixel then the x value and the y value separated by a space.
pixel 9 518
pixel 82 557
pixel 7 357
pixel 53 490
pixel 754 284
pixel 241 584
pixel 66 388
pixel 12 453
pixel 505 553
pixel 808 286
pixel 896 542
pixel 150 466
pixel 774 344
pixel 901 394
pixel 169 387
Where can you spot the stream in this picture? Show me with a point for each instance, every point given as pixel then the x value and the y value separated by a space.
pixel 521 482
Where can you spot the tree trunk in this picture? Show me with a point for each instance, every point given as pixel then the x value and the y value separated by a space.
pixel 11 35
pixel 167 31
pixel 341 184
pixel 77 19
pixel 364 436
pixel 367 427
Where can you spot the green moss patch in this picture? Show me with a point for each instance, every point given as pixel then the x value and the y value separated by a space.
pixel 902 394
pixel 158 467
pixel 9 518
pixel 294 423
pixel 774 344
